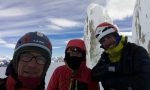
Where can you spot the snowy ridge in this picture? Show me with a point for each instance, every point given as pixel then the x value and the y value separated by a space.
pixel 57 59
pixel 4 61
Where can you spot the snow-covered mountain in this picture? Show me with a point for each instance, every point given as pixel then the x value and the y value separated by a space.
pixel 4 61
pixel 57 59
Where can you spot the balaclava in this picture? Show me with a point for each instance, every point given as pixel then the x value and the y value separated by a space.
pixel 72 61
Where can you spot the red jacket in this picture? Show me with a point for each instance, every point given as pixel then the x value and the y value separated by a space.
pixel 10 83
pixel 63 78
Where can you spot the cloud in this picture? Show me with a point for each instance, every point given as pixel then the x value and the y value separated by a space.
pixel 6 44
pixel 18 17
pixel 56 47
pixel 125 29
pixel 11 33
pixel 64 22
pixel 101 2
pixel 126 33
pixel 2 41
pixel 13 12
pixel 119 9
pixel 55 27
pixel 52 17
pixel 10 45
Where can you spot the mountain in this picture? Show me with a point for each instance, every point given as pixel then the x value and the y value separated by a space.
pixel 4 61
pixel 57 59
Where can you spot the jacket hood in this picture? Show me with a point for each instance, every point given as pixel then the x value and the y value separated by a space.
pixel 76 43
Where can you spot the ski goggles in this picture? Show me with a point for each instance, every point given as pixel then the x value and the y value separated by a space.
pixel 75 51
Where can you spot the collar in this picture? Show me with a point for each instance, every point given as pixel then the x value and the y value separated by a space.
pixel 115 52
pixel 13 84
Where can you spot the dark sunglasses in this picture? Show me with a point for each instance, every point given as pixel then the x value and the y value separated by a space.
pixel 75 51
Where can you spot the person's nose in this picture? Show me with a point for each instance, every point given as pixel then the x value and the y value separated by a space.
pixel 32 63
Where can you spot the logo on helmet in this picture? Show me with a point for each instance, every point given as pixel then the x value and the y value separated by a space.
pixel 26 39
pixel 38 41
pixel 40 34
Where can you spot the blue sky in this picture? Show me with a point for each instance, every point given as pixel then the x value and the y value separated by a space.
pixel 60 20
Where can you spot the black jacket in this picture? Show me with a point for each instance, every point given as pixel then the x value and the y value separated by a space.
pixel 131 73
pixel 2 84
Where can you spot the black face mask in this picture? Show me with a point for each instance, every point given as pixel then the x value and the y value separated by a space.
pixel 73 62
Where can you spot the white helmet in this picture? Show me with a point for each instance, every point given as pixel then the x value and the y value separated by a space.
pixel 104 29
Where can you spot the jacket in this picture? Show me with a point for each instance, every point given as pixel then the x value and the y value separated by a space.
pixel 2 83
pixel 10 83
pixel 64 79
pixel 132 72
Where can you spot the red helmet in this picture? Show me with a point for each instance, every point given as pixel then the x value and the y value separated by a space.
pixel 104 29
pixel 33 41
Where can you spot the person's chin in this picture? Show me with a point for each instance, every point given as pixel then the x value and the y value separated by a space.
pixel 109 47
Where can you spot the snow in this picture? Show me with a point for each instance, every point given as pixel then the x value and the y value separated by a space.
pixel 2 70
pixel 95 15
pixel 141 24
